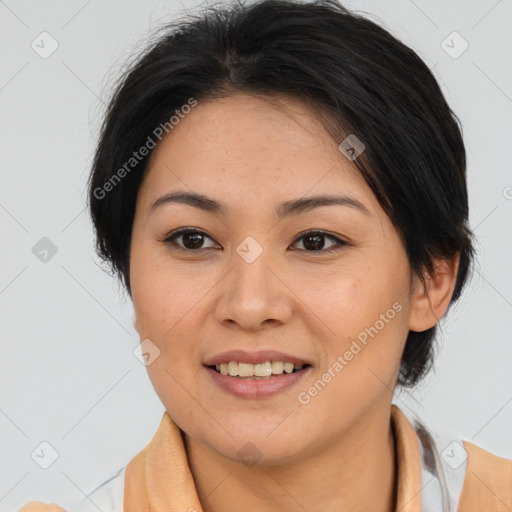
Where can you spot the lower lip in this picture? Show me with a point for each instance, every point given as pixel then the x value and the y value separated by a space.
pixel 257 388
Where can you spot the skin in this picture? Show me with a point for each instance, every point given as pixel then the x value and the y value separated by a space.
pixel 252 155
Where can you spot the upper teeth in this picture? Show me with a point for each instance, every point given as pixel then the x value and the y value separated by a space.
pixel 236 369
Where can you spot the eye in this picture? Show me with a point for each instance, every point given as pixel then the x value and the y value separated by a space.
pixel 192 239
pixel 313 241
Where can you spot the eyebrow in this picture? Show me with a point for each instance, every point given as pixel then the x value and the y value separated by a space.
pixel 286 209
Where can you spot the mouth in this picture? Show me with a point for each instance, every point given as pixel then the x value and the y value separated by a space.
pixel 257 375
pixel 259 371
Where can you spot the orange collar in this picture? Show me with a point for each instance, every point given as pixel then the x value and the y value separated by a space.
pixel 408 457
pixel 159 478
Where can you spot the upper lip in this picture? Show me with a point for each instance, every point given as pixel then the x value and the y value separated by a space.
pixel 261 356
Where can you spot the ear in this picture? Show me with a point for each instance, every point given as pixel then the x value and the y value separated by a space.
pixel 429 302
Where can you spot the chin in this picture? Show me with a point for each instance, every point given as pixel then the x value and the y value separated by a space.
pixel 256 448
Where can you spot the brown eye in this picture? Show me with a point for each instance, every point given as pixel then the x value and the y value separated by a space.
pixel 314 241
pixel 192 240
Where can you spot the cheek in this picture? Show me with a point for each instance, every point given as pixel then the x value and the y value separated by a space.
pixel 167 299
pixel 364 310
pixel 165 303
pixel 352 297
pixel 162 294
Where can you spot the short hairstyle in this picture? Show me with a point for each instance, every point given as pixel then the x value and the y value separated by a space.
pixel 356 77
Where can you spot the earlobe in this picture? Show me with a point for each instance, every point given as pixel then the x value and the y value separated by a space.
pixel 431 300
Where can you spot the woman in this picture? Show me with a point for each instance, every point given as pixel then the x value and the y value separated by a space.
pixel 281 188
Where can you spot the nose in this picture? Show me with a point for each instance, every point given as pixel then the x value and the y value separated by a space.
pixel 254 295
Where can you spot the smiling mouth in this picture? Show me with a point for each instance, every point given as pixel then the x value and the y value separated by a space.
pixel 259 371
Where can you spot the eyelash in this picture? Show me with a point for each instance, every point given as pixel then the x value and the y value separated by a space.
pixel 170 240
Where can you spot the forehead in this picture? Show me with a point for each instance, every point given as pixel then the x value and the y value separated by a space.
pixel 247 149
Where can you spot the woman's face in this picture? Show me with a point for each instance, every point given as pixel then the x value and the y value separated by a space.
pixel 247 277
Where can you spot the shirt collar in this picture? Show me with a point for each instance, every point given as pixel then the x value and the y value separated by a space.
pixel 408 463
pixel 159 478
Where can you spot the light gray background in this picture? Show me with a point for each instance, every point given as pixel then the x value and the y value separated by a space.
pixel 68 373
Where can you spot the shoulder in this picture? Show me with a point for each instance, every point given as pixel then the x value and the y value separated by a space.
pixel 39 506
pixel 107 497
pixel 461 475
pixel 487 482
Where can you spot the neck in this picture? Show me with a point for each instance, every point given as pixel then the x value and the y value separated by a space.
pixel 354 473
